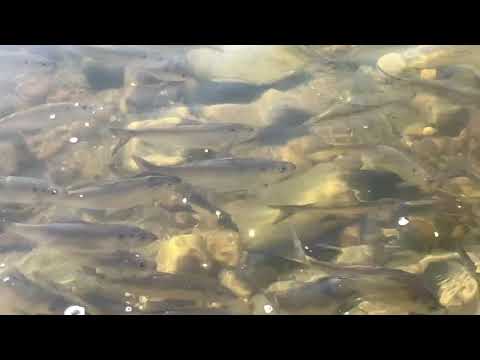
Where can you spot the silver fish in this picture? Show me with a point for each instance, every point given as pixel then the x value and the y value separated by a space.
pixel 24 190
pixel 207 136
pixel 119 194
pixel 156 72
pixel 82 235
pixel 45 116
pixel 227 174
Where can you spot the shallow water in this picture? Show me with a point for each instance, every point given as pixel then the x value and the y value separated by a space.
pixel 239 179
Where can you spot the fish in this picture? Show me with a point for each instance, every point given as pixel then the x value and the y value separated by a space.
pixel 45 116
pixel 206 136
pixel 372 282
pixel 383 208
pixel 26 190
pixel 82 235
pixel 25 296
pixel 323 296
pixel 157 72
pixel 119 264
pixel 119 194
pixel 226 174
pixel 387 158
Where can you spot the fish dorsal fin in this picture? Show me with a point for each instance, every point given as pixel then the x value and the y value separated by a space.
pixel 298 252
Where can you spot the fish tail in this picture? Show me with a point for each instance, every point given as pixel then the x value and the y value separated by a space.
pixel 124 137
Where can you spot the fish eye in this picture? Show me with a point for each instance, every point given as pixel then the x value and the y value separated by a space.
pixel 121 236
pixel 283 169
pixel 233 129
pixel 84 107
pixel 34 189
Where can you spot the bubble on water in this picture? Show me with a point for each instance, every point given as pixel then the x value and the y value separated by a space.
pixel 74 140
pixel 74 310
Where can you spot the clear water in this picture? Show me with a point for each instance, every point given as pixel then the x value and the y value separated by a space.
pixel 240 179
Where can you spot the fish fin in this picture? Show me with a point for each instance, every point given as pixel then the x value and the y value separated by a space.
pixel 298 251
pixel 124 136
pixel 288 210
pixel 69 220
pixel 143 164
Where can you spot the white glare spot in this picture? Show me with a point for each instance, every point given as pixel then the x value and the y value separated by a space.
pixel 127 294
pixel 133 84
pixel 5 279
pixel 459 206
pixel 251 233
pixel 206 150
pixel 184 200
pixel 365 126
pixel 87 124
pixel 268 308
pixel 436 234
pixel 74 310
pixel 81 196
pixel 218 213
pixel 73 140
pixel 52 116
pixel 128 309
pixel 403 221
pixel 205 265
pixel 307 248
pixel 2 265
pixel 76 104
pixel 100 108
